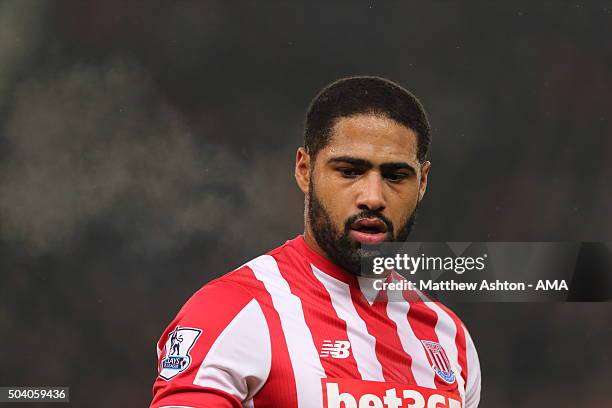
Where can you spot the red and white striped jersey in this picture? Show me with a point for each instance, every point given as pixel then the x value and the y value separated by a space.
pixel 292 329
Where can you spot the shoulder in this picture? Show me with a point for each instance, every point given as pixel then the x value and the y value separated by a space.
pixel 233 290
pixel 217 348
pixel 223 296
pixel 248 278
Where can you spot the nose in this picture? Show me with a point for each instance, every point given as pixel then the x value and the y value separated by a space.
pixel 371 193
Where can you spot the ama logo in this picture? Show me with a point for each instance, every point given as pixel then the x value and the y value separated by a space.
pixel 176 351
pixel 439 361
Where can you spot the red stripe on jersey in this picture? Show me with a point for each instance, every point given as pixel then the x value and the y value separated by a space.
pixel 396 364
pixel 320 315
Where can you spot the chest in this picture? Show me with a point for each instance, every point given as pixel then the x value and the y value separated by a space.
pixel 353 351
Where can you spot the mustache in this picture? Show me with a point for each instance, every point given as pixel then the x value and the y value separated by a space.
pixel 368 214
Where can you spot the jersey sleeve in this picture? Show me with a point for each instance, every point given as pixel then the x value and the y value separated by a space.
pixel 215 353
pixel 472 387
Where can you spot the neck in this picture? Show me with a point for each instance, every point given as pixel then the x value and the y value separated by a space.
pixel 312 242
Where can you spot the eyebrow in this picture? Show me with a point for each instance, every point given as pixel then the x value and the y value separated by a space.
pixel 363 163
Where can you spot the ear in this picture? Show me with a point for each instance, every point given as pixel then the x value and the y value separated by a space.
pixel 423 182
pixel 302 169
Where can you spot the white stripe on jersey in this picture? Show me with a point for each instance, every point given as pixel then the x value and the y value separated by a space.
pixel 300 345
pixel 446 330
pixel 363 343
pixel 230 364
pixel 397 310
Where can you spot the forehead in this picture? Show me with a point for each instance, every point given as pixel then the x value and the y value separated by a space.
pixel 373 137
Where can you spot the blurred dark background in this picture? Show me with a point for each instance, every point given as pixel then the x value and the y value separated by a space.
pixel 147 147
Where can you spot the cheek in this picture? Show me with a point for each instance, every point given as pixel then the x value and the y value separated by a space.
pixel 401 206
pixel 337 207
pixel 336 199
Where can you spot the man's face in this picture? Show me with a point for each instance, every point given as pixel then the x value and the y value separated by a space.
pixel 364 187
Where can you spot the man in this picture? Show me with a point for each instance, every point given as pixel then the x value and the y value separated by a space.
pixel 294 328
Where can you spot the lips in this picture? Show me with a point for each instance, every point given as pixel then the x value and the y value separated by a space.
pixel 369 225
pixel 369 231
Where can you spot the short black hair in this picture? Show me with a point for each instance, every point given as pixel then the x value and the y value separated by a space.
pixel 364 95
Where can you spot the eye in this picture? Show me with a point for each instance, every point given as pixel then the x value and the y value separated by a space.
pixel 396 177
pixel 348 172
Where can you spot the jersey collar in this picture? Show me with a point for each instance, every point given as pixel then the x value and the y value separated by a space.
pixel 322 263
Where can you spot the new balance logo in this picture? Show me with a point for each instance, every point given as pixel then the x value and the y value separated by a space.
pixel 335 349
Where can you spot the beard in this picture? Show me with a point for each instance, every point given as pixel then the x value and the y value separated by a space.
pixel 338 245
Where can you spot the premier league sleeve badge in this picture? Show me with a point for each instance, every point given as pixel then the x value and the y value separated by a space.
pixel 176 351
